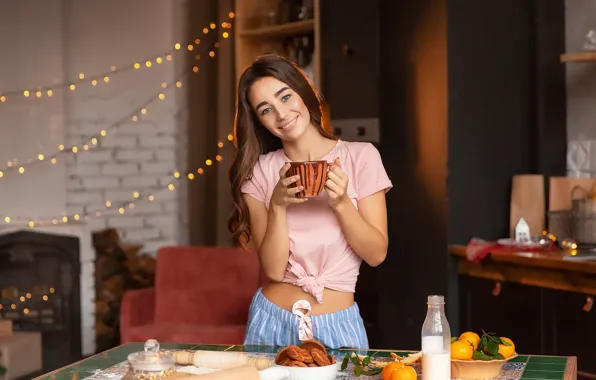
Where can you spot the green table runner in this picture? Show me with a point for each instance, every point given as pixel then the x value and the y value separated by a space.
pixel 112 364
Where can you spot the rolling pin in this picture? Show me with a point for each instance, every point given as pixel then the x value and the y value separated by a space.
pixel 247 372
pixel 240 373
pixel 220 360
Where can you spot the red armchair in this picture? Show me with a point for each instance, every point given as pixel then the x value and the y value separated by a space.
pixel 201 296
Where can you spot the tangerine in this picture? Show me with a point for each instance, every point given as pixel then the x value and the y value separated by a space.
pixel 462 350
pixel 389 369
pixel 506 351
pixel 404 373
pixel 471 337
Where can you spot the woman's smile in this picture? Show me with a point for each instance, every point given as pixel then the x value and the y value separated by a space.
pixel 289 125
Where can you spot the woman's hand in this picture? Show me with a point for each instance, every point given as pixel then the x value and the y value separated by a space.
pixel 337 185
pixel 284 195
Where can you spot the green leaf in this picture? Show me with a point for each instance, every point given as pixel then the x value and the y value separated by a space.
pixel 504 342
pixel 357 371
pixel 355 360
pixel 479 355
pixel 2 371
pixel 453 339
pixel 492 348
pixel 366 361
pixel 372 371
pixel 344 363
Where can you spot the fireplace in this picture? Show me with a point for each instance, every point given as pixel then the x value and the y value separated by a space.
pixel 40 291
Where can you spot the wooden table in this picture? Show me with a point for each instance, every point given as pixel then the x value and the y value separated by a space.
pixel 546 270
pixel 109 364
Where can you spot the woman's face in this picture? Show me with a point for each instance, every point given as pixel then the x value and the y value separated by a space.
pixel 279 108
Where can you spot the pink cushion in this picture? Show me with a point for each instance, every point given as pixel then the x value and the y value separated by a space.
pixel 205 285
pixel 187 334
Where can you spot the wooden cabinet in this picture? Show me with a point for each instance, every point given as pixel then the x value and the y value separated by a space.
pixel 286 27
pixel 349 57
pixel 540 321
pixel 514 313
pixel 334 41
pixel 341 36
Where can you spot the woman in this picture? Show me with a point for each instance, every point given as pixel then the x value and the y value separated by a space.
pixel 310 248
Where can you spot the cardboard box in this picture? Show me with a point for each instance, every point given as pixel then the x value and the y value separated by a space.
pixel 21 354
pixel 5 327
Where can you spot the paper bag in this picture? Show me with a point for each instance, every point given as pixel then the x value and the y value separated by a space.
pixel 561 188
pixel 528 202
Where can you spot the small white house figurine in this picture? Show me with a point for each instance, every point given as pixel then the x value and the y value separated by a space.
pixel 522 231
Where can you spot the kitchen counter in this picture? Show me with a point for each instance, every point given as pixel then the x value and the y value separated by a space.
pixel 545 269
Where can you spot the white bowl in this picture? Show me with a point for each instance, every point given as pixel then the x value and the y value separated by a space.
pixel 328 372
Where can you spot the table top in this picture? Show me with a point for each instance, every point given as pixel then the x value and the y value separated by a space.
pixel 550 260
pixel 109 364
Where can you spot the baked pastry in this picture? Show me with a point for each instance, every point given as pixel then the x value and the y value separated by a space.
pixel 310 353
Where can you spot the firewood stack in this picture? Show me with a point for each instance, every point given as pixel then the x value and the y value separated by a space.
pixel 118 267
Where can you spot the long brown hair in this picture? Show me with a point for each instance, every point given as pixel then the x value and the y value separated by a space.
pixel 251 139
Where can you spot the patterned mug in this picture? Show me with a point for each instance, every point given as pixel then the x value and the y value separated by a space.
pixel 313 175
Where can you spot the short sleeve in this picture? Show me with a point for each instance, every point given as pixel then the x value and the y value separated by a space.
pixel 372 176
pixel 255 186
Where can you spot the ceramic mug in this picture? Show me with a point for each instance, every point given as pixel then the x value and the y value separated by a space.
pixel 313 175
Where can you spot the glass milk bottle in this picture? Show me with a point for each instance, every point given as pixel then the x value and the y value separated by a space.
pixel 436 342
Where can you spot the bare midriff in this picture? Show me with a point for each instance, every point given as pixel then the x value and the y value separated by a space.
pixel 285 295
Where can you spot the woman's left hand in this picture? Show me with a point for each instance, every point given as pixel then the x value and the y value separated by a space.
pixel 336 185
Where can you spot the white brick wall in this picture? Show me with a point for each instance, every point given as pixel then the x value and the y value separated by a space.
pixel 119 166
pixel 137 156
pixel 580 17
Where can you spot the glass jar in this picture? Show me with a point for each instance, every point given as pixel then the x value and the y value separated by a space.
pixel 150 364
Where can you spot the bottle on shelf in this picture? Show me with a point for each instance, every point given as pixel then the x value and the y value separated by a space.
pixel 436 341
pixel 299 50
pixel 289 11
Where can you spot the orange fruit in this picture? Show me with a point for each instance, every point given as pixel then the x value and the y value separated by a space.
pixel 389 369
pixel 471 337
pixel 462 350
pixel 404 373
pixel 506 351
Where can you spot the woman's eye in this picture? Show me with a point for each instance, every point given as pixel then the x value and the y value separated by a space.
pixel 265 111
pixel 286 97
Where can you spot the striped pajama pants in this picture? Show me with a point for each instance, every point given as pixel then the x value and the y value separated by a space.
pixel 270 325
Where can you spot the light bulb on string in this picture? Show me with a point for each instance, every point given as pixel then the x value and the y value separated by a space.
pixel 83 78
pixel 85 145
pixel 121 207
pixel 151 197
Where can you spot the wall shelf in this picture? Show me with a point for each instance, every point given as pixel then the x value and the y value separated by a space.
pixel 579 57
pixel 254 37
pixel 290 29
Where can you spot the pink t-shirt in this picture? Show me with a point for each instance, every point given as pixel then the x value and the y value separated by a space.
pixel 320 256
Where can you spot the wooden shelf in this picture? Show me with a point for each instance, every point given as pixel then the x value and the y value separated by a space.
pixel 253 39
pixel 579 57
pixel 282 30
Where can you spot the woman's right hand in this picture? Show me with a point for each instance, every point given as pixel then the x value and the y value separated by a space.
pixel 284 195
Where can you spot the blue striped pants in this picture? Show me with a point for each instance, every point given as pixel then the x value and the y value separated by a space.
pixel 270 325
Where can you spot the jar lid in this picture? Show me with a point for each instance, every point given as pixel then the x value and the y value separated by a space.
pixel 151 359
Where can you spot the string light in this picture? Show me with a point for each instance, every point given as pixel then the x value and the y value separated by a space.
pixel 62 149
pixel 121 207
pixel 94 80
pixel 93 141
pixel 89 142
